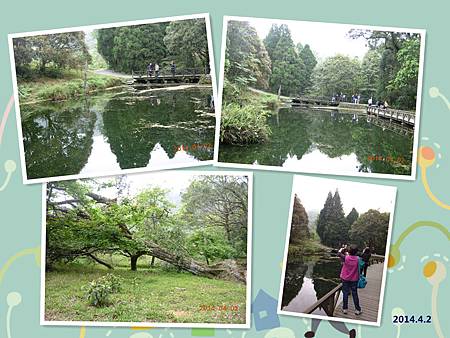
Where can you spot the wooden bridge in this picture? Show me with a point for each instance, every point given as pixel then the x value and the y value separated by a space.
pixel 402 116
pixel 318 101
pixel 188 75
pixel 398 128
pixel 369 297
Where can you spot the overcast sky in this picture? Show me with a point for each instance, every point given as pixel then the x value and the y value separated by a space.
pixel 313 192
pixel 325 39
pixel 176 182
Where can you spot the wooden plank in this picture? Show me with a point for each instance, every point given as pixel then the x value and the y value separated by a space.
pixel 369 297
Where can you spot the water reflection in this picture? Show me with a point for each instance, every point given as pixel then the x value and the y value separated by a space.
pixel 306 282
pixel 118 131
pixel 312 140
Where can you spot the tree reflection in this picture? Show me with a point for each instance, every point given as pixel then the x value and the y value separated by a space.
pixel 135 124
pixel 296 132
pixel 57 139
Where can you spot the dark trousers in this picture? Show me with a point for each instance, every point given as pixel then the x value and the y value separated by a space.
pixel 364 272
pixel 348 287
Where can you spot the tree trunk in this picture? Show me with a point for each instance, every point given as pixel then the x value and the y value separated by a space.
pixel 99 261
pixel 134 258
pixel 226 270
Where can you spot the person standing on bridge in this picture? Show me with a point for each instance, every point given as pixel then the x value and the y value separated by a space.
pixel 156 70
pixel 365 256
pixel 173 68
pixel 349 277
pixel 150 69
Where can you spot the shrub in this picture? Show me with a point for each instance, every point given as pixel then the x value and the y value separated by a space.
pixel 205 79
pixel 97 292
pixel 244 125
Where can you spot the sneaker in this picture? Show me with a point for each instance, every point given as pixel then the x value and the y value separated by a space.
pixel 358 312
pixel 344 311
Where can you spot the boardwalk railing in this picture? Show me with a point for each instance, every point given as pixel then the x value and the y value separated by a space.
pixel 164 72
pixel 325 301
pixel 401 116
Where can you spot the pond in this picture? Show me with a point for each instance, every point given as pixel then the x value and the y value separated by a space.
pixel 315 140
pixel 309 280
pixel 123 129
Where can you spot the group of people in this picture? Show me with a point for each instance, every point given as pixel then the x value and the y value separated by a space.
pixel 356 98
pixel 153 69
pixel 353 266
pixel 379 104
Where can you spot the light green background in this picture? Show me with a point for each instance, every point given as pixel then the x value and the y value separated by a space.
pixel 20 206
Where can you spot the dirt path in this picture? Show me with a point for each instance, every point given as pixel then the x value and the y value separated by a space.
pixel 108 72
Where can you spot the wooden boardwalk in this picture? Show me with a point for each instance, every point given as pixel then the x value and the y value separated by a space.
pixel 369 297
pixel 401 116
pixel 182 76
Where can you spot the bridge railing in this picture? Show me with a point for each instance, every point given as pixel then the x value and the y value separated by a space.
pixel 168 72
pixel 334 294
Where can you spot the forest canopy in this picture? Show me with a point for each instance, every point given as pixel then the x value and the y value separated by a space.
pixel 387 72
pixel 131 48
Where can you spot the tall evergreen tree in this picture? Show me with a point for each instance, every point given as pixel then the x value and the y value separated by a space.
pixel 310 62
pixel 186 41
pixel 299 222
pixel 352 216
pixel 246 60
pixel 288 69
pixel 332 222
pixel 323 217
pixel 133 47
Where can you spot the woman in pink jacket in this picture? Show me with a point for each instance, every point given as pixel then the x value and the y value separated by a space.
pixel 350 276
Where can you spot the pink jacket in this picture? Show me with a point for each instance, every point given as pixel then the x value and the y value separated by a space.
pixel 349 271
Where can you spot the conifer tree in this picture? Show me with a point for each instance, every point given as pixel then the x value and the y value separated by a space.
pixel 299 225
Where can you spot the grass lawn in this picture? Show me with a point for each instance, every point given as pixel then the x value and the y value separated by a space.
pixel 148 295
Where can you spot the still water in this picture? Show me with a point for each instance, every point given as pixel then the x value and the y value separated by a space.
pixel 314 140
pixel 309 280
pixel 118 130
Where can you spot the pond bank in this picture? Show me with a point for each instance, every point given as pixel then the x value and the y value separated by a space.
pixel 48 89
pixel 244 121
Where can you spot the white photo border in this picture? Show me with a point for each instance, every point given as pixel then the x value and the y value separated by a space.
pixel 385 267
pixel 246 325
pixel 11 36
pixel 411 177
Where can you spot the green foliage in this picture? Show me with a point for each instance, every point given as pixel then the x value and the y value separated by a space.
pixel 332 226
pixel 63 89
pixel 299 223
pixel 219 202
pixel 405 81
pixel 210 244
pixel 97 292
pixel 370 229
pixel 337 74
pixel 246 60
pixel 310 62
pixel 210 223
pixel 398 65
pixel 370 73
pixel 288 69
pixel 132 47
pixel 50 54
pixel 352 216
pixel 187 42
pixel 243 124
